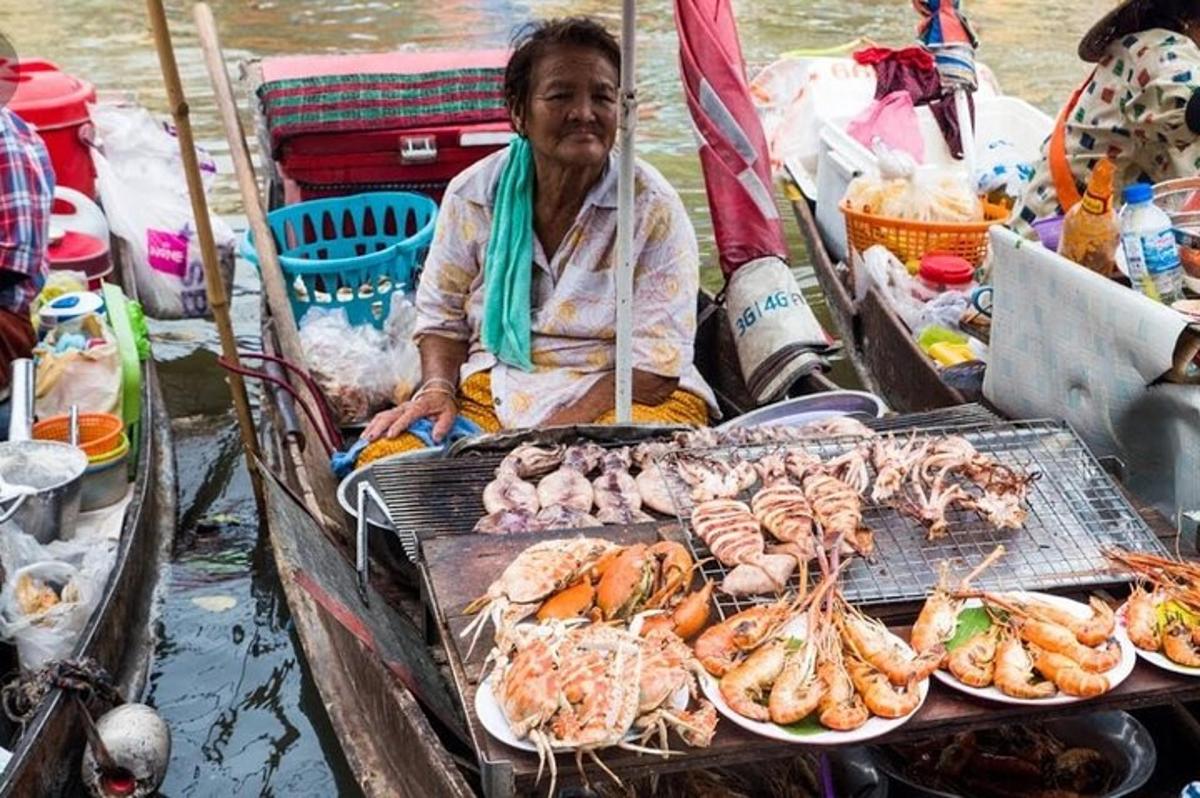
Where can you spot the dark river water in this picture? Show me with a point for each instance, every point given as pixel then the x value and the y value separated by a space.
pixel 229 676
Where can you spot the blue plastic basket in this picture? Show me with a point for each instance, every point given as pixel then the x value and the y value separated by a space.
pixel 350 252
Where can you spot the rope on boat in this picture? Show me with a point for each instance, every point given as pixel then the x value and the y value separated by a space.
pixel 84 678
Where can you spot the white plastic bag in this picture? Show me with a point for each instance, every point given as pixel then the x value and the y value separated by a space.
pixel 144 192
pixel 361 369
pixel 75 569
pixel 44 633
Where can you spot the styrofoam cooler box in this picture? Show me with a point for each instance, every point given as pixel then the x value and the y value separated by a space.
pixel 842 158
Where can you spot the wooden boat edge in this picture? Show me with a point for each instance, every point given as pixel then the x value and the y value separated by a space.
pixel 354 683
pixel 877 342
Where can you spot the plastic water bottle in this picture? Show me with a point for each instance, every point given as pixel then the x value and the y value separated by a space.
pixel 1149 244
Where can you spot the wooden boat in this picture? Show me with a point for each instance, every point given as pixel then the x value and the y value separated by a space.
pixel 119 636
pixel 877 342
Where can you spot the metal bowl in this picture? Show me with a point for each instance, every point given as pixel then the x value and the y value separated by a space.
pixel 52 511
pixel 814 407
pixel 1118 736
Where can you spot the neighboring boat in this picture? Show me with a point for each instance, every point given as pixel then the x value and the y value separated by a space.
pixel 119 636
pixel 821 159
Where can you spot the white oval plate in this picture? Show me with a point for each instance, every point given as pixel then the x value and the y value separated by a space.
pixel 487 707
pixel 1115 676
pixel 1153 657
pixel 875 727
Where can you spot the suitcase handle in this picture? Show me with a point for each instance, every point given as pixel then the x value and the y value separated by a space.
pixel 418 149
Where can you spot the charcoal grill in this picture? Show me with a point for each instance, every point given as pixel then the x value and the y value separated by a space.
pixel 1075 510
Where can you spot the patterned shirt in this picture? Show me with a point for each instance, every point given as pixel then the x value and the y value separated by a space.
pixel 1134 109
pixel 26 196
pixel 573 338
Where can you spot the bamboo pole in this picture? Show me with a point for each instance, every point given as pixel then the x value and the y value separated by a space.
pixel 214 285
pixel 264 244
pixel 624 276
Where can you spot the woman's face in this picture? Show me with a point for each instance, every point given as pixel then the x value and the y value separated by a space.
pixel 571 117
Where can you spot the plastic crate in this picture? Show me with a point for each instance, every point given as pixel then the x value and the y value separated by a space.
pixel 352 252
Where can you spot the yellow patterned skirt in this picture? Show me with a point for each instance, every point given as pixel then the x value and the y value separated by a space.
pixel 475 404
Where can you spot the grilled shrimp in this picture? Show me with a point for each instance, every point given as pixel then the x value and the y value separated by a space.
pixel 1059 640
pixel 1090 631
pixel 1014 674
pixel 1141 620
pixel 720 646
pixel 840 707
pixel 747 686
pixel 939 617
pixel 797 691
pixel 881 697
pixel 1068 676
pixel 1178 646
pixel 974 662
pixel 869 640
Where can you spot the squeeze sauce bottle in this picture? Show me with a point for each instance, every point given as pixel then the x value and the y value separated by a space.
pixel 1091 233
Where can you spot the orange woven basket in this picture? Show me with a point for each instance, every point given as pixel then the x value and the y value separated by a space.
pixel 99 433
pixel 909 240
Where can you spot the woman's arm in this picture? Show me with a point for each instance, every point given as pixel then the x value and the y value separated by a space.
pixel 442 332
pixel 648 389
pixel 436 399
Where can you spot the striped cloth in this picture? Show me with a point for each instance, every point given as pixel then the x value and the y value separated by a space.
pixel 355 103
pixel 26 196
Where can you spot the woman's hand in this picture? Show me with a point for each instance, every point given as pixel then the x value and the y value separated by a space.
pixel 438 406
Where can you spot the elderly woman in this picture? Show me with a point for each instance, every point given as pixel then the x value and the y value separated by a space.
pixel 516 306
pixel 1140 107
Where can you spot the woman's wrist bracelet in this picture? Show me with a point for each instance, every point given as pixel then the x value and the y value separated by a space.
pixel 449 386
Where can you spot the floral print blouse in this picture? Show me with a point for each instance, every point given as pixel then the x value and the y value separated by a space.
pixel 1135 110
pixel 573 335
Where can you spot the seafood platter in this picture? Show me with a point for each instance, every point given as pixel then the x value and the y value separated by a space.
pixel 628 605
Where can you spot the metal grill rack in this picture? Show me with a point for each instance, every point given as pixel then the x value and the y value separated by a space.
pixel 1075 510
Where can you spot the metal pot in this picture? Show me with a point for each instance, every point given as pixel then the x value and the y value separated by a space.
pixel 55 472
pixel 1118 736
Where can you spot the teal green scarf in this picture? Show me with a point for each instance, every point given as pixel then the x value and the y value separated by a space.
pixel 508 265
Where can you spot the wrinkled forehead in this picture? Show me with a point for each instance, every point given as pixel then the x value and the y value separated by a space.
pixel 573 68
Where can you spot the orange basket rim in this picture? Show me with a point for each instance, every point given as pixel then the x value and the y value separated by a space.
pixel 104 458
pixel 993 214
pixel 103 428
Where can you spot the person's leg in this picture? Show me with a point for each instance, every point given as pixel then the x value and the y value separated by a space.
pixel 681 407
pixel 475 405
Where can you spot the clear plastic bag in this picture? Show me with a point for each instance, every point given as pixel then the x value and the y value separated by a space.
pixel 144 192
pixel 361 369
pixel 45 626
pixel 904 190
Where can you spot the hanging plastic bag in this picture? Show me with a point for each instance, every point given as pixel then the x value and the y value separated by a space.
pixel 892 119
pixel 86 374
pixel 361 369
pixel 144 192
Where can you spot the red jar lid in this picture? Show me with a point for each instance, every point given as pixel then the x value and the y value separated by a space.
pixel 946 269
pixel 48 98
pixel 74 247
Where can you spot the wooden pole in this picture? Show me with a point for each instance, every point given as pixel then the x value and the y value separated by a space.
pixel 214 285
pixel 264 244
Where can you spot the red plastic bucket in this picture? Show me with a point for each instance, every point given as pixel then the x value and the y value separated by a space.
pixel 55 104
